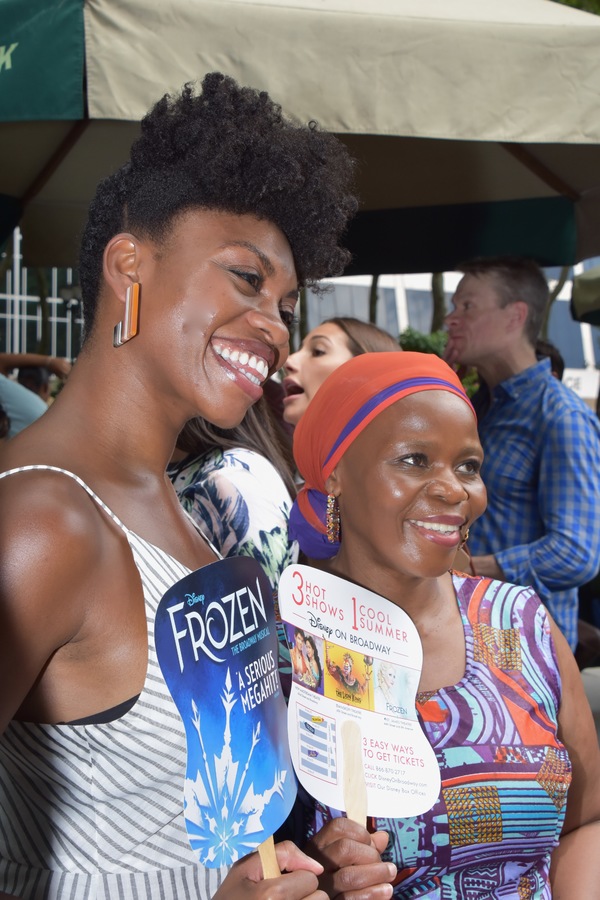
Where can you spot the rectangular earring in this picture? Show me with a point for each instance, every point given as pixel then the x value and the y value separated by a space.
pixel 129 326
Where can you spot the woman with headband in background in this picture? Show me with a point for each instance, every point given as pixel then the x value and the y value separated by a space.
pixel 390 455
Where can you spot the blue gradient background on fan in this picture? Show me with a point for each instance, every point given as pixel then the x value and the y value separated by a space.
pixel 216 643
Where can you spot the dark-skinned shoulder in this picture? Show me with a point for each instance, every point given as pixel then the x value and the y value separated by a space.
pixel 54 546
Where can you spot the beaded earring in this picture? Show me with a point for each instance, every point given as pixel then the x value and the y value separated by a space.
pixel 332 520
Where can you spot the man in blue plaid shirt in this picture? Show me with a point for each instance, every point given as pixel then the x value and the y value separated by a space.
pixel 541 442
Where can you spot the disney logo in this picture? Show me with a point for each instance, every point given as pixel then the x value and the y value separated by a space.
pixel 194 598
pixel 319 625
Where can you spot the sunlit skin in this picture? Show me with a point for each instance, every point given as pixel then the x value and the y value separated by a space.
pixel 221 284
pixel 322 351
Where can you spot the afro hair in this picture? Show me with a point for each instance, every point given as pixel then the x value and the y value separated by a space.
pixel 227 148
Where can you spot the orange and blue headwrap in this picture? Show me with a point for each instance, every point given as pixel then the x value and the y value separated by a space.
pixel 351 397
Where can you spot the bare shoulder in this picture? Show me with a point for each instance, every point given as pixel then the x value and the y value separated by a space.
pixel 51 534
pixel 49 527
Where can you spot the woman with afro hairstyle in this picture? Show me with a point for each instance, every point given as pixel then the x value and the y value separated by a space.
pixel 191 262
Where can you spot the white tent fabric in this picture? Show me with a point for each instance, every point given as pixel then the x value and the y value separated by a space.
pixel 484 70
pixel 488 104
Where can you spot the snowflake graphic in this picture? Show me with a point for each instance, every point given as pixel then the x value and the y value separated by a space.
pixel 222 811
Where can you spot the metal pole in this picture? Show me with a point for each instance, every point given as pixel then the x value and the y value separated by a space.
pixel 16 290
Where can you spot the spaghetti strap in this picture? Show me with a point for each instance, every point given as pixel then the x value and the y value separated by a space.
pixel 79 481
pixel 102 504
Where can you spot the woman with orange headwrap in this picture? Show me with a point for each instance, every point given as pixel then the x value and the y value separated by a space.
pixel 391 458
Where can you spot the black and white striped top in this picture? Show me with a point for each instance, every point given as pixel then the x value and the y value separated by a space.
pixel 95 812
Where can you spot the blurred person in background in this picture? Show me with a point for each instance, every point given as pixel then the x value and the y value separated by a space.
pixel 35 379
pixel 21 402
pixel 541 442
pixel 326 347
pixel 4 424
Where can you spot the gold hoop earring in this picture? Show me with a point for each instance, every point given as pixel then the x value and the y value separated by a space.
pixel 129 326
pixel 332 519
pixel 464 540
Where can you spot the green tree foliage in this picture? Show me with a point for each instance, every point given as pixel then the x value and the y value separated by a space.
pixel 591 6
pixel 410 339
pixel 435 343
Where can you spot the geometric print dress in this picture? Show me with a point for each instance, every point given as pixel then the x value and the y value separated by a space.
pixel 504 773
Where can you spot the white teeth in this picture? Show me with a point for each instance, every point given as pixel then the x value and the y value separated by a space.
pixel 436 526
pixel 254 368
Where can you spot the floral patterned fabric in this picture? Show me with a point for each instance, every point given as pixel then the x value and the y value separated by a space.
pixel 239 501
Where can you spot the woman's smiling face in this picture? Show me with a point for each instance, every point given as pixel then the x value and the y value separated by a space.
pixel 322 351
pixel 408 487
pixel 217 296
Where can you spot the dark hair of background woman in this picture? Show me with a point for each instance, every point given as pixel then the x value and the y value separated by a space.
pixel 364 337
pixel 258 431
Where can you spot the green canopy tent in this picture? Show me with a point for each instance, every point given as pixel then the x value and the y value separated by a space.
pixel 476 124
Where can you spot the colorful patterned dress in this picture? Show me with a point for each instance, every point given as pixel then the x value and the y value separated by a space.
pixel 505 774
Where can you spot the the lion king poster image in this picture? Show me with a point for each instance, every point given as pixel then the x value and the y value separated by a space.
pixel 348 676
